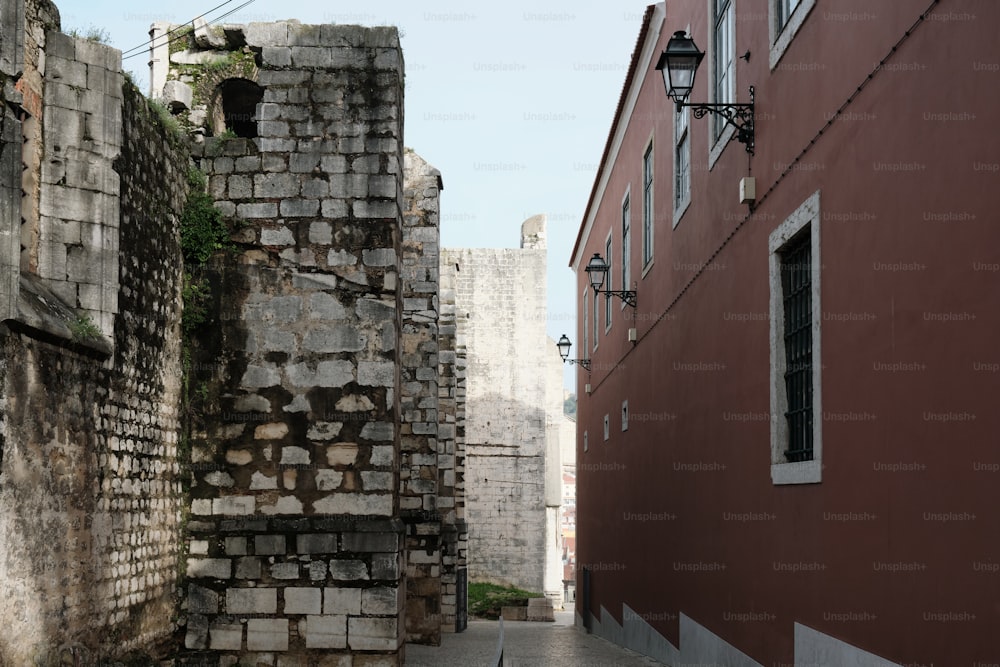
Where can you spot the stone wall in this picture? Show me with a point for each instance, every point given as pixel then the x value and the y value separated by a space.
pixel 500 306
pixel 451 445
pixel 296 545
pixel 420 461
pixel 90 492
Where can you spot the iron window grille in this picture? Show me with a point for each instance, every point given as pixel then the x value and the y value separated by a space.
pixel 796 286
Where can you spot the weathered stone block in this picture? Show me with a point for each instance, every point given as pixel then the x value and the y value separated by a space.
pixel 340 339
pixel 217 568
pixel 196 636
pixel 299 208
pixel 348 570
pixel 257 210
pixel 355 503
pixel 277 237
pixel 277 56
pixel 376 481
pixel 202 600
pixel 259 482
pixel 383 601
pixel 248 567
pixel 328 480
pixel 385 566
pixel 373 634
pixel 236 546
pixel 267 634
pixel 342 454
pixel 226 637
pixel 317 543
pixel 268 545
pixel 303 601
pixel 379 257
pixel 233 505
pixel 326 632
pixel 285 570
pixel 342 601
pixel 251 600
pixel 295 456
pixel 378 431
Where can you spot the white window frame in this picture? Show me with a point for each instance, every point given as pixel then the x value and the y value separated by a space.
pixel 721 132
pixel 609 248
pixel 626 234
pixel 624 415
pixel 801 472
pixel 648 194
pixel 682 133
pixel 607 427
pixel 781 36
pixel 586 324
pixel 597 321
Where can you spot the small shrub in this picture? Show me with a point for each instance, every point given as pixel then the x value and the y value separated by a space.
pixel 167 119
pixel 203 231
pixel 83 328
pixel 92 34
pixel 485 600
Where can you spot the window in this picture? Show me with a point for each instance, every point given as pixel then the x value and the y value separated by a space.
pixel 607 427
pixel 783 10
pixel 586 444
pixel 723 56
pixel 796 293
pixel 608 286
pixel 586 325
pixel 597 317
pixel 796 423
pixel 237 100
pixel 624 415
pixel 787 16
pixel 647 205
pixel 682 163
pixel 626 244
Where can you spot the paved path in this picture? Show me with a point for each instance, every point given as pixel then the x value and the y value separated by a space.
pixel 526 644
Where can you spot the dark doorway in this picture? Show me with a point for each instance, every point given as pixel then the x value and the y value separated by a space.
pixel 239 106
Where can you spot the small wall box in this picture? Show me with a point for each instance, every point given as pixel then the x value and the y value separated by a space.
pixel 748 190
pixel 631 335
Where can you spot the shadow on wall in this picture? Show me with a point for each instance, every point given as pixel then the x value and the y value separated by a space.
pixel 505 492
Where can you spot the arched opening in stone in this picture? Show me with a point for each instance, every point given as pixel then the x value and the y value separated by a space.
pixel 235 107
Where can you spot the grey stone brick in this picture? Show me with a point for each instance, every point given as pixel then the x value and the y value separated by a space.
pixel 342 601
pixel 339 339
pixel 371 542
pixel 316 543
pixel 217 568
pixel 277 56
pixel 285 570
pixel 385 566
pixel 267 634
pixel 202 600
pixel 379 257
pixel 251 600
pixel 347 570
pixel 326 632
pixel 311 56
pixel 266 34
pixel 334 208
pixel 375 209
pixel 248 567
pixel 376 374
pixel 196 636
pixel 236 546
pixel 315 188
pixel 276 185
pixel 226 636
pixel 303 600
pixel 267 545
pixel 299 208
pixel 380 601
pixel 373 634
pixel 257 210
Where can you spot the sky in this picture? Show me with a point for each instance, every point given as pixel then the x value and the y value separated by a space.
pixel 512 101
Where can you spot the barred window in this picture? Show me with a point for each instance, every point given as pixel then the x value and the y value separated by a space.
pixel 796 287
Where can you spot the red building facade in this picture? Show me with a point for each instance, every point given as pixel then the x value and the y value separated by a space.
pixel 788 452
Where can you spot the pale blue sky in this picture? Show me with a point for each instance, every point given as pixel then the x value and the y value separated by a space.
pixel 512 101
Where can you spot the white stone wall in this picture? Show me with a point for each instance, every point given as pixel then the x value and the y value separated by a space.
pixel 500 301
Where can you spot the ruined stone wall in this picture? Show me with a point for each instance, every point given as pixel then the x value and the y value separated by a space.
pixel 500 305
pixel 420 461
pixel 90 489
pixel 296 545
pixel 451 445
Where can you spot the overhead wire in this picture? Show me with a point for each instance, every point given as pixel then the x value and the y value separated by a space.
pixel 172 35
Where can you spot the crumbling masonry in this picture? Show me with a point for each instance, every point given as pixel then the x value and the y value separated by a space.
pixel 291 470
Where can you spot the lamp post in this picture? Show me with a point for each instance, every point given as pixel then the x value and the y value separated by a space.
pixel 597 270
pixel 564 346
pixel 679 63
